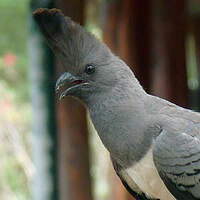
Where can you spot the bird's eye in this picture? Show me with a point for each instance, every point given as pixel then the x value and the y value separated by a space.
pixel 89 69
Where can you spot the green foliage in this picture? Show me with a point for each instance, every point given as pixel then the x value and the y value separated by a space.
pixel 18 4
pixel 13 24
pixel 15 162
pixel 15 178
pixel 13 39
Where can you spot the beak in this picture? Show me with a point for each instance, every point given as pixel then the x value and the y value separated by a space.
pixel 72 82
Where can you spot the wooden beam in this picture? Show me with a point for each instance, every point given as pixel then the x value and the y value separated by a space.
pixel 75 182
pixel 134 38
pixel 168 51
pixel 127 32
pixel 193 64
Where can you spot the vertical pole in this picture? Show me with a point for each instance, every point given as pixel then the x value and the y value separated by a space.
pixel 195 22
pixel 127 32
pixel 44 127
pixel 169 73
pixel 195 31
pixel 75 181
pixel 134 38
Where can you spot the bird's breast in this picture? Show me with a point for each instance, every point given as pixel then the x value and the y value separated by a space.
pixel 143 177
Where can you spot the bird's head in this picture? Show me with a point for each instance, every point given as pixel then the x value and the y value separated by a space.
pixel 88 63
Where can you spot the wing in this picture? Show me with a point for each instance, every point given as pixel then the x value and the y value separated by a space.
pixel 177 159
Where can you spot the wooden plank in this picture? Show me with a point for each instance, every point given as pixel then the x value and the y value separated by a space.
pixel 75 182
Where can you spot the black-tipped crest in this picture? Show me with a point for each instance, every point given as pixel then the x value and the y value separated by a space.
pixel 52 23
pixel 70 42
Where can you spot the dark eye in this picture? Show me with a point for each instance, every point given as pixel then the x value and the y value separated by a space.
pixel 89 69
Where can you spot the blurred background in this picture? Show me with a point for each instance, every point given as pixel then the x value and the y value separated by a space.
pixel 49 149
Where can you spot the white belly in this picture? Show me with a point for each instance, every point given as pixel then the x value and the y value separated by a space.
pixel 143 177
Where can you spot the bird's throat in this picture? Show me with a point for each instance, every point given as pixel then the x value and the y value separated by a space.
pixel 117 120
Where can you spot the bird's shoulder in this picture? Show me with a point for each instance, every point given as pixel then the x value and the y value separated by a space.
pixel 165 112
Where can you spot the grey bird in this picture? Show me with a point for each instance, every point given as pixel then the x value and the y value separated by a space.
pixel 154 144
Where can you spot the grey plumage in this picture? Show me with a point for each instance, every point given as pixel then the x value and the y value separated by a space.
pixel 177 158
pixel 144 134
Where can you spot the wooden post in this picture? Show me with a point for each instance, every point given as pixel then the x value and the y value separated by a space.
pixel 195 29
pixel 128 32
pixel 134 38
pixel 75 182
pixel 194 22
pixel 169 72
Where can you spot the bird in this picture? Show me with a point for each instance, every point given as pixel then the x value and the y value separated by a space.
pixel 154 144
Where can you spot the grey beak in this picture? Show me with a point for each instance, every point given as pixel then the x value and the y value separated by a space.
pixel 66 77
pixel 73 81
